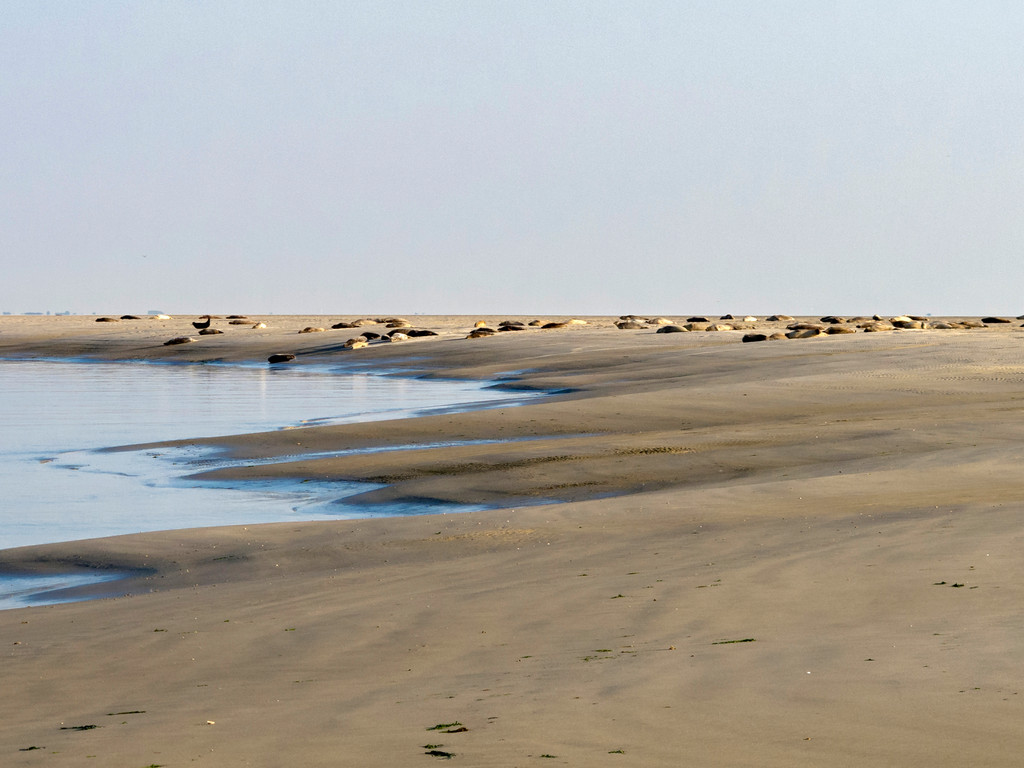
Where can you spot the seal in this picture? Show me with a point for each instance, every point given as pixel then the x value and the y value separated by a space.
pixel 179 340
pixel 280 357
pixel 200 326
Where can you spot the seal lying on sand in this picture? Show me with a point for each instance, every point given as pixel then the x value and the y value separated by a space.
pixel 281 357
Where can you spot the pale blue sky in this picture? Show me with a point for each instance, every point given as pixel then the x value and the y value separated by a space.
pixel 512 157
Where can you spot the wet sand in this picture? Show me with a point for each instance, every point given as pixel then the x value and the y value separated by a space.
pixel 785 553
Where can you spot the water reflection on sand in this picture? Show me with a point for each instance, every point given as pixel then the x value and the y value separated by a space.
pixel 56 414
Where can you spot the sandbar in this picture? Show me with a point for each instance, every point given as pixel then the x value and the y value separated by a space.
pixel 794 552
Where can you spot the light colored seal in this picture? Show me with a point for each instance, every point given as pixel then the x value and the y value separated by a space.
pixel 179 340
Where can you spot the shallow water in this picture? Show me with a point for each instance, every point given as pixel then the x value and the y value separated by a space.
pixel 56 415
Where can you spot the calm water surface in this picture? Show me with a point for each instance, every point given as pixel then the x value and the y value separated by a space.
pixel 55 415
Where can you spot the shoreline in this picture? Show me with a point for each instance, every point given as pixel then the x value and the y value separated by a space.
pixel 794 552
pixel 397 400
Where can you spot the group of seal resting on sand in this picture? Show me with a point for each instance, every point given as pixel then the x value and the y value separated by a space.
pixel 750 328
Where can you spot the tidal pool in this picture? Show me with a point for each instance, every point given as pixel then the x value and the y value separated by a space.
pixel 57 415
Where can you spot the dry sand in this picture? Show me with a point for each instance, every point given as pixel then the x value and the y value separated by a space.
pixel 790 553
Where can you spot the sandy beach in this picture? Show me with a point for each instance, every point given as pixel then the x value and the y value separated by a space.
pixel 795 552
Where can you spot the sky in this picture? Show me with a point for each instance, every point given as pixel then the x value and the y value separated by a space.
pixel 518 157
